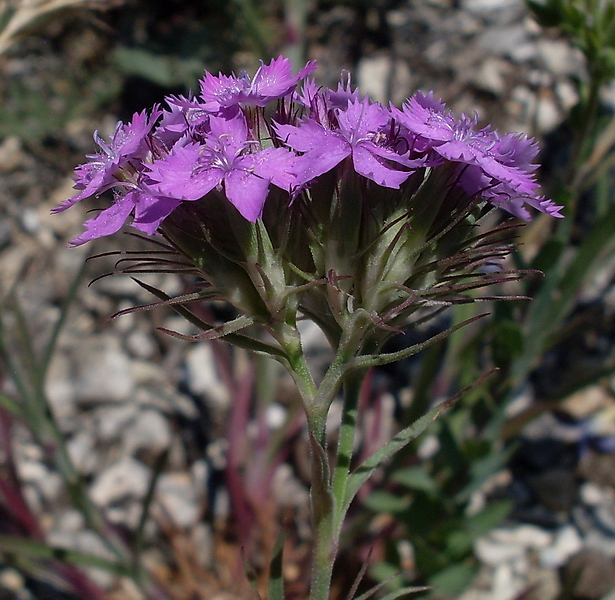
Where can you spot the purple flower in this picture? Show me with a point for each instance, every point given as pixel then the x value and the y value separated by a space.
pixel 226 158
pixel 149 211
pixel 361 134
pixel 474 181
pixel 270 82
pixel 505 175
pixel 118 161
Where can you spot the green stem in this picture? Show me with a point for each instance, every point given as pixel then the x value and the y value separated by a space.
pixel 345 444
pixel 329 526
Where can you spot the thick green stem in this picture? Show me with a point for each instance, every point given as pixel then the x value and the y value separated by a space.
pixel 329 526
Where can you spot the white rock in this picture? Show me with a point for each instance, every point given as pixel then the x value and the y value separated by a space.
pixel 113 420
pixel 14 581
pixel 491 76
pixel 527 536
pixel 479 6
pixel 103 371
pixel 502 41
pixel 199 471
pixel 69 520
pixel 82 451
pixel 567 542
pixel 560 57
pixel 373 75
pixel 203 377
pixel 494 553
pixel 287 489
pixel 149 430
pixel 203 541
pixel 275 416
pixel 60 387
pixel 140 344
pixel 505 585
pixel 383 79
pixel 593 495
pixel 180 500
pixel 126 478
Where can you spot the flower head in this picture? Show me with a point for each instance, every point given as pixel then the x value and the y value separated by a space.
pixel 271 82
pixel 361 133
pixel 117 161
pixel 504 164
pixel 224 143
pixel 226 159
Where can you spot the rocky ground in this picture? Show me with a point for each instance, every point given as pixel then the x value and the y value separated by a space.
pixel 124 393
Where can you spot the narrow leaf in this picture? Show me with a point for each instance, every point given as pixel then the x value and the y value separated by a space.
pixel 404 437
pixel 358 477
pixel 322 499
pixel 405 591
pixel 276 579
pixel 11 406
pixel 42 551
pixel 139 536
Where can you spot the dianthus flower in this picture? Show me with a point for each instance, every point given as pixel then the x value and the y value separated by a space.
pixel 504 164
pixel 290 203
pixel 218 143
pixel 271 82
pixel 118 160
pixel 361 133
pixel 225 158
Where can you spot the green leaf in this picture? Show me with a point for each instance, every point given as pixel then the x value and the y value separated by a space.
pixel 406 591
pixel 547 14
pixel 385 502
pixel 557 294
pixel 164 70
pixel 364 471
pixel 405 436
pixel 482 469
pixel 416 478
pixel 459 544
pixel 453 579
pixel 276 578
pixel 40 550
pixel 13 407
pixel 139 536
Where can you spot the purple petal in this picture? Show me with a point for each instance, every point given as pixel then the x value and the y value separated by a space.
pixel 362 119
pixel 276 164
pixel 181 175
pixel 369 165
pixel 247 192
pixel 108 222
pixel 151 211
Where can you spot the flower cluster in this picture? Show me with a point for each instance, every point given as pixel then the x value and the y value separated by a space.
pixel 287 200
pixel 242 137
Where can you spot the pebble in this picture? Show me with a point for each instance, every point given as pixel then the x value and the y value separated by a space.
pixel 179 499
pixel 203 378
pixel 492 552
pixel 82 451
pixel 125 478
pixel 148 430
pixel 566 543
pixel 103 371
pixel 589 575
